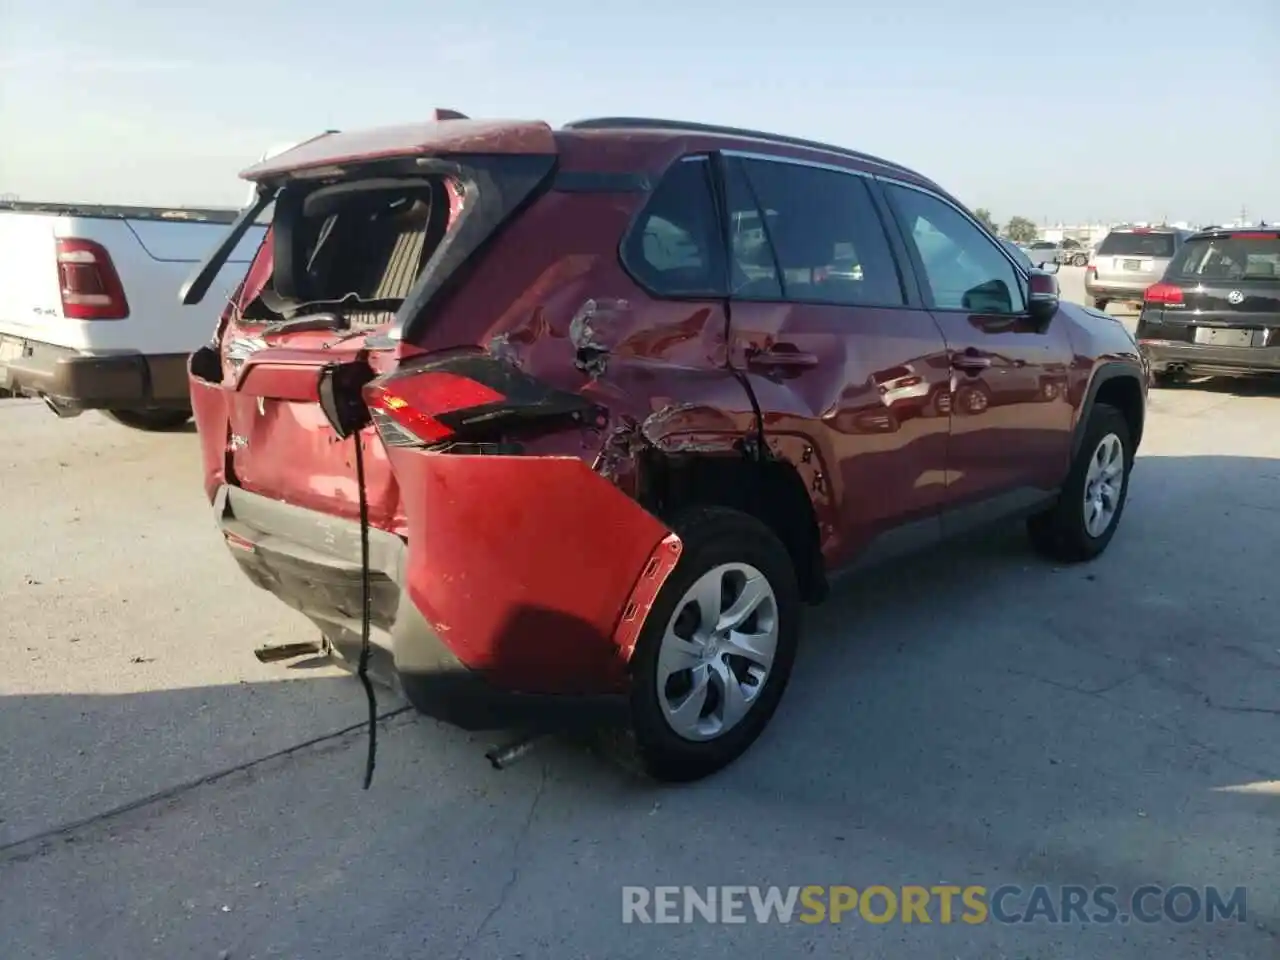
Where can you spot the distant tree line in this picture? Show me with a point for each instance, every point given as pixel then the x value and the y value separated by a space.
pixel 1018 229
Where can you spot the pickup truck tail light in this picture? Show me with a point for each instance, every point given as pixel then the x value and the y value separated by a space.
pixel 88 282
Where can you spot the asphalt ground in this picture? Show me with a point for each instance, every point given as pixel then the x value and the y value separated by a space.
pixel 971 717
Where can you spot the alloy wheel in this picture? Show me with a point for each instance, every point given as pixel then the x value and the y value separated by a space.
pixel 1103 483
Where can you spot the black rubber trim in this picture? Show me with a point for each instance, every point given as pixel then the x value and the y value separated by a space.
pixel 1108 371
pixel 908 275
pixel 198 283
pixel 495 189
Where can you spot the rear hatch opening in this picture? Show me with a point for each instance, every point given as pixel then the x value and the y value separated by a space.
pixel 368 234
pixel 346 256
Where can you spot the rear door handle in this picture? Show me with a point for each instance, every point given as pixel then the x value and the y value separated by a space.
pixel 782 355
pixel 970 362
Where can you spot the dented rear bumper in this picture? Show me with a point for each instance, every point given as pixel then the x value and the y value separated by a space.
pixel 515 600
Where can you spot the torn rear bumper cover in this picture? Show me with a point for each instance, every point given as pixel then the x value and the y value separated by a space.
pixel 522 621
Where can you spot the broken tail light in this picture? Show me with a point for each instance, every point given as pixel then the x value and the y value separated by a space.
pixel 409 409
pixel 467 398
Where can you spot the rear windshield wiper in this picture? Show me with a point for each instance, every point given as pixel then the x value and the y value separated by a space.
pixel 312 321
pixel 330 319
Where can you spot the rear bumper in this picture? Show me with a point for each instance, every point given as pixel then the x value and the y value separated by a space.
pixel 72 381
pixel 1167 339
pixel 1204 359
pixel 1116 289
pixel 312 562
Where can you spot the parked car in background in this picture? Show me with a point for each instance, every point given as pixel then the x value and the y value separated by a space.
pixel 1129 260
pixel 1020 254
pixel 1072 253
pixel 1043 251
pixel 87 313
pixel 511 391
pixel 1216 310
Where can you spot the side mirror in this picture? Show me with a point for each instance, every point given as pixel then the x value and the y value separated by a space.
pixel 1049 266
pixel 1043 297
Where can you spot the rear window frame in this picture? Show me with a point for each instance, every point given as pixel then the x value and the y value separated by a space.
pixel 1177 269
pixel 1171 235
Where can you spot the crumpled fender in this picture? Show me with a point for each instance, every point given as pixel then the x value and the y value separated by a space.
pixel 535 571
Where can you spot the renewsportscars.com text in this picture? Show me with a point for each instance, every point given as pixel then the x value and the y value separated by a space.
pixel 940 904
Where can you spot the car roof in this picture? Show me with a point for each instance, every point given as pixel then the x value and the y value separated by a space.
pixel 450 132
pixel 1162 228
pixel 743 139
pixel 1210 232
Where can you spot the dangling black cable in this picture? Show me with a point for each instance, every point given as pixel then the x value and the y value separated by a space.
pixel 366 601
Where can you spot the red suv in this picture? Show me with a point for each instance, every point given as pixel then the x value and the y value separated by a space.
pixel 614 401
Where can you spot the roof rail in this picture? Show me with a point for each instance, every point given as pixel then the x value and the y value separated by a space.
pixel 687 126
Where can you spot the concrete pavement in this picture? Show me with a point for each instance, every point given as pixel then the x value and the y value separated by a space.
pixel 975 716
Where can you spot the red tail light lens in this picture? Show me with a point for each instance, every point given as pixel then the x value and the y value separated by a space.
pixel 1163 293
pixel 413 404
pixel 89 284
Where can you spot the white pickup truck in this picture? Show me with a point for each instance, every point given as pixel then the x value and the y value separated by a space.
pixel 89 313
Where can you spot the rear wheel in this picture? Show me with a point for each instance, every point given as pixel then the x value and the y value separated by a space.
pixel 155 420
pixel 716 650
pixel 1083 521
pixel 1079 260
pixel 1100 304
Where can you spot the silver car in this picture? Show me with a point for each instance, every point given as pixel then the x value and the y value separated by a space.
pixel 1128 261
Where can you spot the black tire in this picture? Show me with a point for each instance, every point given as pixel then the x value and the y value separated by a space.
pixel 153 421
pixel 711 536
pixel 1060 532
pixel 1079 260
pixel 1165 378
pixel 1100 304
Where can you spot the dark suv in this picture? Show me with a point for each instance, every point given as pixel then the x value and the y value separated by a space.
pixel 615 400
pixel 1216 310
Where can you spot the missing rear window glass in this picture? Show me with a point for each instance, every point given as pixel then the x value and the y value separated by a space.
pixel 353 251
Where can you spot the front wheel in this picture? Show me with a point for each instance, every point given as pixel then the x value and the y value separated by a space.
pixel 715 653
pixel 1079 260
pixel 1099 304
pixel 155 420
pixel 1083 521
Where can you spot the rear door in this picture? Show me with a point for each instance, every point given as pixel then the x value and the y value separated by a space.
pixel 1138 256
pixel 842 359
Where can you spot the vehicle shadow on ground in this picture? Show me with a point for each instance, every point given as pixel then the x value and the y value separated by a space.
pixel 974 715
pixel 1252 386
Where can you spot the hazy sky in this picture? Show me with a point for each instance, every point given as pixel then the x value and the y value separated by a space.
pixel 1174 109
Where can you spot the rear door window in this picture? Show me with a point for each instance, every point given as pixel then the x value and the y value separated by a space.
pixel 963 269
pixel 675 248
pixel 1132 244
pixel 824 235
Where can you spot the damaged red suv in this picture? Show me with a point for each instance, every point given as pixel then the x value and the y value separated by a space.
pixel 614 401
